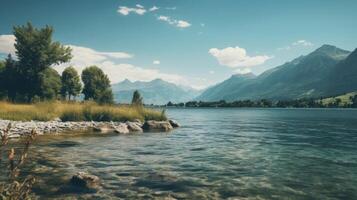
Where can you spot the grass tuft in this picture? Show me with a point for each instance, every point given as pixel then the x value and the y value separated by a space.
pixel 87 111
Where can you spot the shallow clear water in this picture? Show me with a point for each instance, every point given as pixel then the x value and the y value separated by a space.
pixel 216 154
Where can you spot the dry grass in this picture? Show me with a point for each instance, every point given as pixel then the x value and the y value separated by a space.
pixel 86 111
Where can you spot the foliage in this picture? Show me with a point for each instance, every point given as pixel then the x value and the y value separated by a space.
pixel 15 189
pixel 50 84
pixel 36 52
pixel 72 111
pixel 2 82
pixel 137 99
pixel 96 85
pixel 71 84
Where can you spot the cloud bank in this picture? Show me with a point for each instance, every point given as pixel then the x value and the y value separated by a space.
pixel 236 57
pixel 174 22
pixel 7 44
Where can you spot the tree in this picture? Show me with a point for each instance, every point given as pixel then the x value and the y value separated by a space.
pixel 96 85
pixel 2 82
pixel 36 52
pixel 11 80
pixel 50 84
pixel 137 99
pixel 71 84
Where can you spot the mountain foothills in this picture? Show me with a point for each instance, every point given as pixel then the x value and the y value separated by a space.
pixel 328 71
pixel 157 92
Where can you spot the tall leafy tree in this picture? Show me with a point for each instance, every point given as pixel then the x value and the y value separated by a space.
pixel 50 84
pixel 137 100
pixel 71 83
pixel 2 82
pixel 11 79
pixel 96 85
pixel 36 52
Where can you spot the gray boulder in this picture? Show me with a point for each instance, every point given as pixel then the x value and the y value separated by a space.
pixel 104 129
pixel 152 125
pixel 134 127
pixel 174 123
pixel 85 181
pixel 122 129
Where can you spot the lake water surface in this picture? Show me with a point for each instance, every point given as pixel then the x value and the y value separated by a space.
pixel 216 154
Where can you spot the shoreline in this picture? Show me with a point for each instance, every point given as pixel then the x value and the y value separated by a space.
pixel 23 128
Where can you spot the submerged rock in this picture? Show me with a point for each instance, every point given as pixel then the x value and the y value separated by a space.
pixel 174 123
pixel 85 181
pixel 157 126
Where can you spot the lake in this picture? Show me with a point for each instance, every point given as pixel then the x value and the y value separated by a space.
pixel 216 154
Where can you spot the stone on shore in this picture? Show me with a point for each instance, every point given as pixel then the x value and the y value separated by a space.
pixel 174 123
pixel 104 129
pixel 152 125
pixel 121 129
pixel 134 127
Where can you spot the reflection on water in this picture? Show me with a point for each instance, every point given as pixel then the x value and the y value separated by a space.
pixel 216 154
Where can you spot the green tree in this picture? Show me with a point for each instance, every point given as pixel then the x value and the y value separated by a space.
pixel 11 80
pixel 36 52
pixel 50 84
pixel 96 85
pixel 71 83
pixel 2 80
pixel 137 100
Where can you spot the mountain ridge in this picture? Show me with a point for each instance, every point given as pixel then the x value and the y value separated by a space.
pixel 156 91
pixel 303 77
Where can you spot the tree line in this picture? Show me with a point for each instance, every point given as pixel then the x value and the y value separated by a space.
pixel 30 77
pixel 265 103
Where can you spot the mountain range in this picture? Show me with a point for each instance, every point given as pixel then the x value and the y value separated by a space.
pixel 327 71
pixel 157 92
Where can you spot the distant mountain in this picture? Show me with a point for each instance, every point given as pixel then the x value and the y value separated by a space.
pixel 157 92
pixel 305 76
pixel 234 83
pixel 343 77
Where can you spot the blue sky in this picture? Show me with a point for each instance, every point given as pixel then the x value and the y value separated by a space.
pixel 195 43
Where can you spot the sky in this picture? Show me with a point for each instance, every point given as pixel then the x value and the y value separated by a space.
pixel 192 43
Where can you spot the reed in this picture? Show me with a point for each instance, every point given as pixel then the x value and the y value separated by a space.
pixel 74 111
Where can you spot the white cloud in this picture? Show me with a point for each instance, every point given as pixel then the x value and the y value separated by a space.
pixel 236 57
pixel 7 44
pixel 302 43
pixel 156 62
pixel 108 62
pixel 211 72
pixel 243 71
pixel 118 71
pixel 183 24
pixel 140 10
pixel 139 6
pixel 203 25
pixel 170 8
pixel 152 9
pixel 177 23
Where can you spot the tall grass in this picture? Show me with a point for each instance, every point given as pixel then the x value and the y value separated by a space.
pixel 67 111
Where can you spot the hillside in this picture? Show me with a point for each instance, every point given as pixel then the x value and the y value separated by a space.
pixel 307 76
pixel 157 92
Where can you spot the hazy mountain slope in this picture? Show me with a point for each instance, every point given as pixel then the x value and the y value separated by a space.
pixel 305 76
pixel 343 77
pixel 153 92
pixel 235 82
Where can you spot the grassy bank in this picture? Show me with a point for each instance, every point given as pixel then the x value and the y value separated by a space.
pixel 86 111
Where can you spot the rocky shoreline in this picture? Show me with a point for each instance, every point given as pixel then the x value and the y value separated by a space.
pixel 19 128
